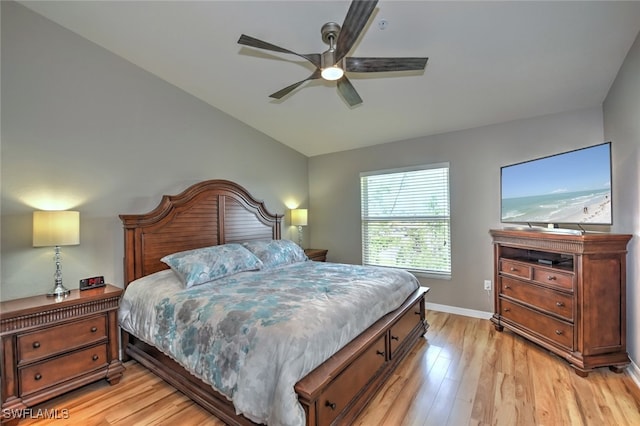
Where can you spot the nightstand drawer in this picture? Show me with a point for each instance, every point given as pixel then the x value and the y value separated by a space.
pixel 48 373
pixel 61 338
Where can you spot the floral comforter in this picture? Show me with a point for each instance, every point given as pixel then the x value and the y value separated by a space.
pixel 253 335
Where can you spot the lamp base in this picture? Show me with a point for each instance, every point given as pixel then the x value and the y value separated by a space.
pixel 59 291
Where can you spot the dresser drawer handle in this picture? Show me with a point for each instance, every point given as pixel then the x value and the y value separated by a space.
pixel 507 287
pixel 38 376
pixel 512 269
pixel 559 304
pixel 36 345
pixel 330 404
pixel 417 313
pixel 559 332
pixel 381 353
pixel 507 309
pixel 551 278
pixel 395 338
pixel 94 329
pixel 95 357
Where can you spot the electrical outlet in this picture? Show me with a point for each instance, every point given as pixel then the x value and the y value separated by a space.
pixel 487 284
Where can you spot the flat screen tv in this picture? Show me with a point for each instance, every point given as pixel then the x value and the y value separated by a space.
pixel 569 188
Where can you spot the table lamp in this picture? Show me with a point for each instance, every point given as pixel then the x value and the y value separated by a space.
pixel 55 229
pixel 299 219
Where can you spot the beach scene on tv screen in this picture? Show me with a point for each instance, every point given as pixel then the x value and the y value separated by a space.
pixel 573 187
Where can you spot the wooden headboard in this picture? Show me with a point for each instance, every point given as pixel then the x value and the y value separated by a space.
pixel 208 213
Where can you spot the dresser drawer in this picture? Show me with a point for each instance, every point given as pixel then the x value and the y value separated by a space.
pixel 553 278
pixel 48 373
pixel 344 387
pixel 559 332
pixel 555 302
pixel 61 338
pixel 401 329
pixel 517 269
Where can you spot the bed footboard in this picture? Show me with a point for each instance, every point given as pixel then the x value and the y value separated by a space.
pixel 338 390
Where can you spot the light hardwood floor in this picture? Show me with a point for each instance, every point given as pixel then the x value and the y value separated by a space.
pixel 463 373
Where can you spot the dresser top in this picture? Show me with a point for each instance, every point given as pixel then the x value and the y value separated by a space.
pixel 33 304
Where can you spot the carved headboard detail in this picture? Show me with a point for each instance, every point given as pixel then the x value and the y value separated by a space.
pixel 208 213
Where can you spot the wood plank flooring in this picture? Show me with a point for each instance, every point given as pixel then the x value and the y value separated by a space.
pixel 463 373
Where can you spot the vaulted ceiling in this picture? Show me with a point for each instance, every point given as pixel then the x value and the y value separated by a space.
pixel 489 62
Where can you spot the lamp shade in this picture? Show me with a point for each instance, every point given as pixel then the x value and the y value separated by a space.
pixel 56 228
pixel 299 217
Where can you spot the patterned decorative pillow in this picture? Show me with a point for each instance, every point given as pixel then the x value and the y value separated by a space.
pixel 276 252
pixel 199 266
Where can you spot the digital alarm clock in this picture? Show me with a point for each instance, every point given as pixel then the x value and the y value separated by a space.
pixel 93 282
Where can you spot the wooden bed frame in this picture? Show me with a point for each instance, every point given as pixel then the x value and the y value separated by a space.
pixel 217 212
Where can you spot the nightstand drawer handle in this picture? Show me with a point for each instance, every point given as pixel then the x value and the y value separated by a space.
pixel 381 353
pixel 551 278
pixel 416 313
pixel 559 304
pixel 507 309
pixel 513 269
pixel 94 329
pixel 95 357
pixel 559 332
pixel 330 404
pixel 36 345
pixel 38 376
pixel 395 338
pixel 506 287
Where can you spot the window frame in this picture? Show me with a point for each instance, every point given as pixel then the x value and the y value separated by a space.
pixel 426 272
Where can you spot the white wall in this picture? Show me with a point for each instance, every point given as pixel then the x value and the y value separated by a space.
pixel 475 157
pixel 84 129
pixel 622 126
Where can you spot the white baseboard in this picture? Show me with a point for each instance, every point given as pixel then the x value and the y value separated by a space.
pixel 634 372
pixel 459 311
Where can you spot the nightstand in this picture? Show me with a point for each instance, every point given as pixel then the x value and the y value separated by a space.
pixel 319 255
pixel 52 346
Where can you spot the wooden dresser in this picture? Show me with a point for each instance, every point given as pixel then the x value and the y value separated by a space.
pixel 565 292
pixel 319 255
pixel 51 346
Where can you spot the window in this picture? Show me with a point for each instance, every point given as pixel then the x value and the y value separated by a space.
pixel 406 219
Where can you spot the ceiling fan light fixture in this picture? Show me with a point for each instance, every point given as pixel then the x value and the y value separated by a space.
pixel 332 73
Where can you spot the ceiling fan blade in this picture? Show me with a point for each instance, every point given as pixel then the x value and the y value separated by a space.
pixel 349 92
pixel 283 92
pixel 384 64
pixel 359 13
pixel 246 40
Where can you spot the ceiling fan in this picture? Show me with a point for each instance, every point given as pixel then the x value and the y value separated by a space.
pixel 333 63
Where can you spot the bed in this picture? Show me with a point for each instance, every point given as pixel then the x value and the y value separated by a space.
pixel 331 387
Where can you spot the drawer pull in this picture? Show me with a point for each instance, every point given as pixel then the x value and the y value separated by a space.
pixel 507 309
pixel 94 329
pixel 559 332
pixel 38 376
pixel 395 338
pixel 512 269
pixel 330 404
pixel 507 287
pixel 95 357
pixel 551 277
pixel 417 313
pixel 559 304
pixel 381 353
pixel 36 345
